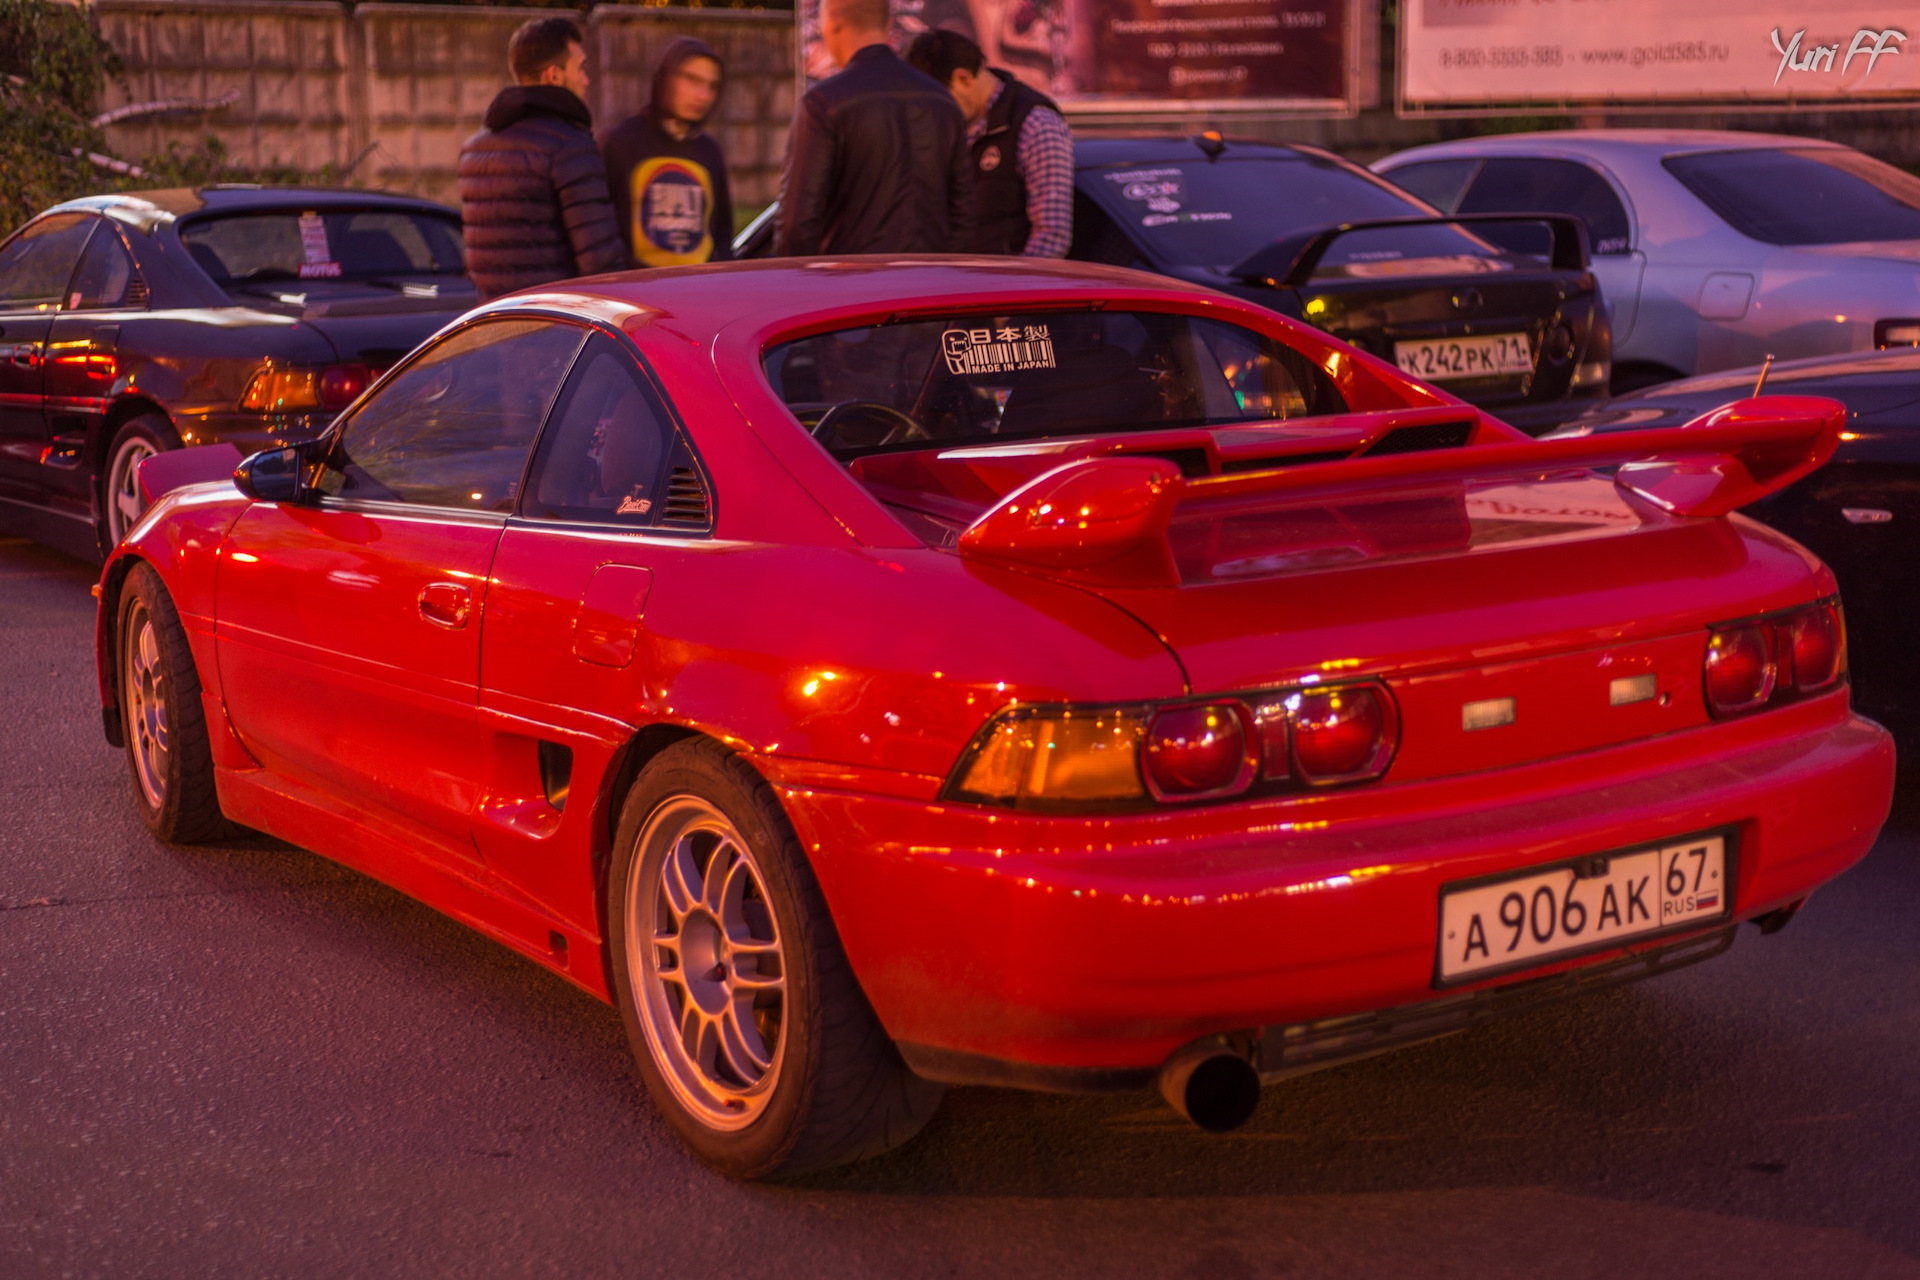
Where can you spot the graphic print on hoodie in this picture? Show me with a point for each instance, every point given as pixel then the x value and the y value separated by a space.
pixel 670 194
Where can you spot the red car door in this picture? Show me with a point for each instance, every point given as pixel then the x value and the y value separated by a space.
pixel 614 496
pixel 349 626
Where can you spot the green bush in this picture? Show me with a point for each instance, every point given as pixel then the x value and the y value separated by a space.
pixel 53 65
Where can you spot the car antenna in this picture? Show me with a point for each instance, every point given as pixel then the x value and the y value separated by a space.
pixel 1212 143
pixel 1761 381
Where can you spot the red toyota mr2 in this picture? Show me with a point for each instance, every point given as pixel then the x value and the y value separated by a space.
pixel 870 675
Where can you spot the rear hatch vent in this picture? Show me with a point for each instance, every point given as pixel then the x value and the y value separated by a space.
pixel 1230 466
pixel 687 505
pixel 1420 439
pixel 136 299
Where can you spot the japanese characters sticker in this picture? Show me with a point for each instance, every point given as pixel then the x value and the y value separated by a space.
pixel 1005 349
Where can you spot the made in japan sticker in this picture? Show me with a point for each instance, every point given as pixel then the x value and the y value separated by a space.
pixel 1003 349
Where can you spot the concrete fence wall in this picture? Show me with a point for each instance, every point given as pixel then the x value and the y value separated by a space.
pixel 392 89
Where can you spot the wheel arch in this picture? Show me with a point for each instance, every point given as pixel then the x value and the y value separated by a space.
pixel 125 407
pixel 628 760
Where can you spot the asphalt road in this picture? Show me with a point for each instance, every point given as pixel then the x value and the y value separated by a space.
pixel 245 1061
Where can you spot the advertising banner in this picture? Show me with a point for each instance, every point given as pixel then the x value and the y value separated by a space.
pixel 1459 54
pixel 1152 58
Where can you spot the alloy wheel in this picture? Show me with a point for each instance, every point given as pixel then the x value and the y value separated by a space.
pixel 706 950
pixel 124 504
pixel 144 688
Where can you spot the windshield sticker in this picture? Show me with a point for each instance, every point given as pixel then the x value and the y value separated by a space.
pixel 1161 190
pixel 313 242
pixel 1168 219
pixel 1007 349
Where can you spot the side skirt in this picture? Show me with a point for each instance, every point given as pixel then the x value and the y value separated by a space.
pixel 300 816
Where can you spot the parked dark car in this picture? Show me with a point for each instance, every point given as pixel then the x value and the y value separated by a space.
pixel 1860 513
pixel 142 321
pixel 1501 310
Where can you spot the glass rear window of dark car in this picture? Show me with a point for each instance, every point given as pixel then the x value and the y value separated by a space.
pixel 1193 213
pixel 1804 195
pixel 260 245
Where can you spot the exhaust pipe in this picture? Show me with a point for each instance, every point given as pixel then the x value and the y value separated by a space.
pixel 1211 1085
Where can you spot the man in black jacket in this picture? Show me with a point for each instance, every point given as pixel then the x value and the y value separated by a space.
pixel 533 192
pixel 877 160
pixel 668 176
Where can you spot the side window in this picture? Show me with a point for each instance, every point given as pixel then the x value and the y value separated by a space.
pixel 608 447
pixel 1440 183
pixel 1264 380
pixel 36 264
pixel 1511 185
pixel 454 426
pixel 105 277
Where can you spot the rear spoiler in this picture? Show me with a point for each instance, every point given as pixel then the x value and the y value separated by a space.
pixel 1106 521
pixel 1288 263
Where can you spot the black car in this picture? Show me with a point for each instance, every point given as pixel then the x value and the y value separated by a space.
pixel 1501 310
pixel 143 321
pixel 1860 513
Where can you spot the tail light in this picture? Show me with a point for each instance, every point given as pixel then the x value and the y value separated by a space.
pixel 1764 661
pixel 1062 759
pixel 1194 752
pixel 1341 735
pixel 1741 671
pixel 1818 648
pixel 287 390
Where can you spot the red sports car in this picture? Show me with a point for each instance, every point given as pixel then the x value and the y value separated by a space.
pixel 875 674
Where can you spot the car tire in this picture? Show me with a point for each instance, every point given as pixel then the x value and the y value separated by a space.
pixel 788 1070
pixel 138 439
pixel 162 717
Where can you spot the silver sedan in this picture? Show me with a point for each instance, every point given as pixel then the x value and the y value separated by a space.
pixel 1715 249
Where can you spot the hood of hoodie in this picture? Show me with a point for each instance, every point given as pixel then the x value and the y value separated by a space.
pixel 683 48
pixel 518 101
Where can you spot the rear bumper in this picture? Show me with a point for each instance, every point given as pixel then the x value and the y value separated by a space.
pixel 1082 952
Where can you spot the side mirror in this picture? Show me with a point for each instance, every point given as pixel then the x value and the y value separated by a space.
pixel 272 475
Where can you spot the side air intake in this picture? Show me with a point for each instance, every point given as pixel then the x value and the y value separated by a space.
pixel 687 504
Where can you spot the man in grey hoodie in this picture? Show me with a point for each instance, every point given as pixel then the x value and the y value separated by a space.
pixel 668 176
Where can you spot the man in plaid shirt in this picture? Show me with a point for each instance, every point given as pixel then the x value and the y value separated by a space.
pixel 1021 148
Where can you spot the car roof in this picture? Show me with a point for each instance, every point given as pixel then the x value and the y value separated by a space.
pixel 1091 153
pixel 697 302
pixel 1610 145
pixel 236 197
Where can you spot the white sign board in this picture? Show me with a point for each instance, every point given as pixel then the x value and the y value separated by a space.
pixel 1463 54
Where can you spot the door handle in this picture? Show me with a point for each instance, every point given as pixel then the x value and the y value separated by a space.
pixel 26 354
pixel 445 604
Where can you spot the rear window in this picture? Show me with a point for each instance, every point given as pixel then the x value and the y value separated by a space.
pixel 244 248
pixel 1201 214
pixel 1035 374
pixel 1810 195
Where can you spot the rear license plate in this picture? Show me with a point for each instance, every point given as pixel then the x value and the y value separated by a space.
pixel 1515 922
pixel 1443 359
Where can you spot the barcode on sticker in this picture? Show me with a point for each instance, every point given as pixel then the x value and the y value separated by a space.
pixel 1006 350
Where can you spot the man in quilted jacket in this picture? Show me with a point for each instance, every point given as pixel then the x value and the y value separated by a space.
pixel 533 190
